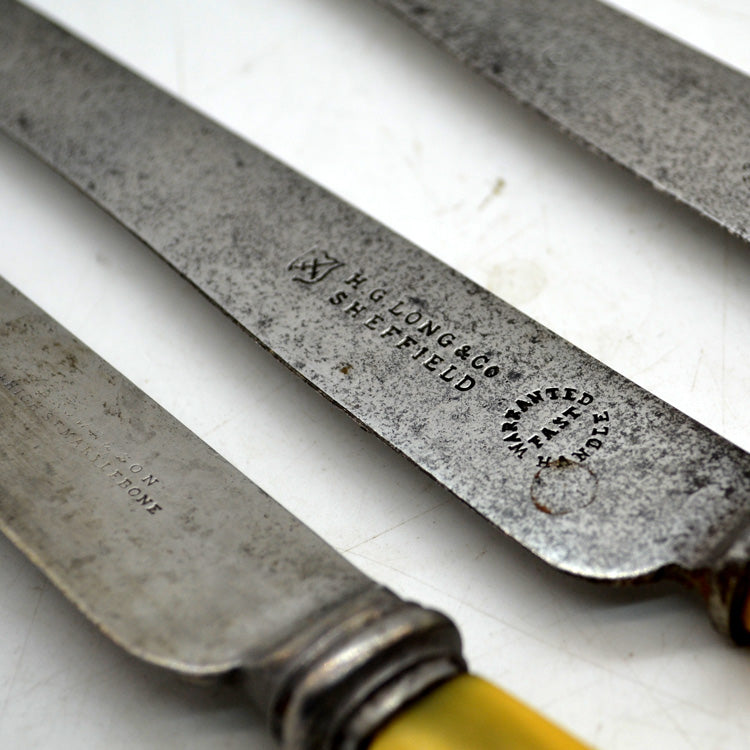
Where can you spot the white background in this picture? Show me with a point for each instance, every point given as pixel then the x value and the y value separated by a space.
pixel 343 92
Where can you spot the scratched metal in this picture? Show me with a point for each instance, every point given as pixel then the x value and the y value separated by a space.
pixel 186 563
pixel 170 550
pixel 671 115
pixel 581 466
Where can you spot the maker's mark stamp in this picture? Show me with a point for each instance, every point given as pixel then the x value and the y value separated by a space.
pixel 555 424
pixel 313 266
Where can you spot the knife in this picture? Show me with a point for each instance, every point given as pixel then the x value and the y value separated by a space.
pixel 585 469
pixel 669 114
pixel 189 566
pixel 586 625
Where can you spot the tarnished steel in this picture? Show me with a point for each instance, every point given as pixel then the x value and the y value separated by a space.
pixel 182 560
pixel 594 475
pixel 142 503
pixel 668 113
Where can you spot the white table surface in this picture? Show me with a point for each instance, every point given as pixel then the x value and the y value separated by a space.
pixel 343 92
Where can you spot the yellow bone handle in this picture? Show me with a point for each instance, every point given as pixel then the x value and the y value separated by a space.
pixel 468 713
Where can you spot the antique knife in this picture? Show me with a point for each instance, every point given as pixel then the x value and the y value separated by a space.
pixel 188 565
pixel 574 657
pixel 585 469
pixel 666 112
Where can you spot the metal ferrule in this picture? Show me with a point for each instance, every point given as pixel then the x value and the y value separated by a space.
pixel 345 675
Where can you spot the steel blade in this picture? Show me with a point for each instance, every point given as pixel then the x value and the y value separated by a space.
pixel 168 549
pixel 190 358
pixel 581 466
pixel 671 115
pixel 185 563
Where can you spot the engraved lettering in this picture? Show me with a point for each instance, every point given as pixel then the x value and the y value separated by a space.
pixel 444 374
pixel 373 321
pixel 463 352
pixel 356 280
pixel 354 309
pixel 479 361
pixel 517 450
pixel 466 383
pixel 428 328
pixel 432 362
pixel 562 423
pixel 315 265
pixel 406 342
pixel 77 438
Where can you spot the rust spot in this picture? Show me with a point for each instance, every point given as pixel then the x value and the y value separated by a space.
pixel 561 463
pixel 563 487
pixel 345 369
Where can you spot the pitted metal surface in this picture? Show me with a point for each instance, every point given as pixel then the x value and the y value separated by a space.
pixel 186 563
pixel 584 468
pixel 669 114
pixel 168 549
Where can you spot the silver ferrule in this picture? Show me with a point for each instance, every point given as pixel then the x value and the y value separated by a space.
pixel 340 679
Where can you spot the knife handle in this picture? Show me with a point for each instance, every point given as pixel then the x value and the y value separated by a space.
pixel 468 713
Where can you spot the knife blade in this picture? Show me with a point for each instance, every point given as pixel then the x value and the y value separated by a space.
pixel 189 566
pixel 239 439
pixel 585 469
pixel 670 115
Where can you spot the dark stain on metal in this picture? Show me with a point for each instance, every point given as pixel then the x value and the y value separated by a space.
pixel 180 191
pixel 563 487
